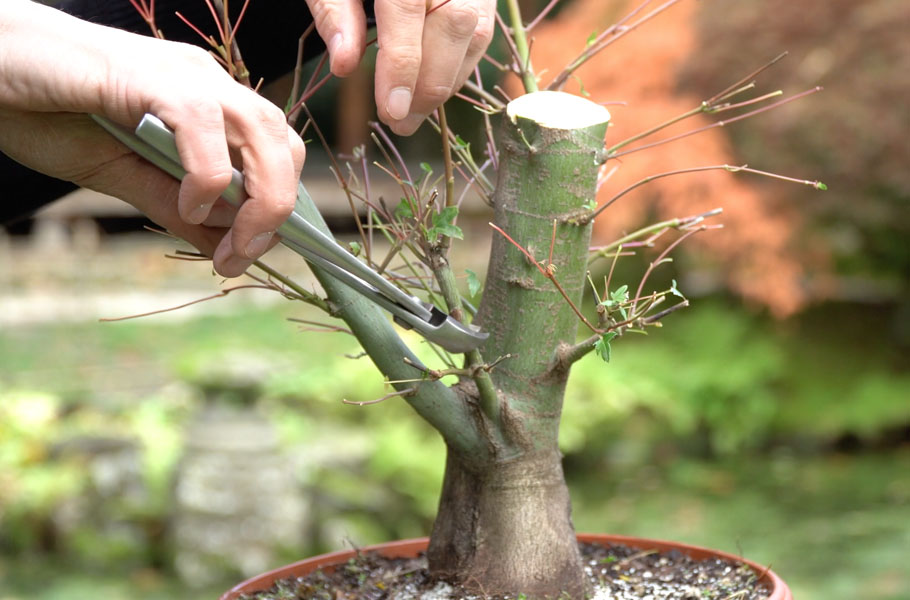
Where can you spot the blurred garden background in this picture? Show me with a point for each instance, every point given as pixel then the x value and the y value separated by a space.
pixel 770 419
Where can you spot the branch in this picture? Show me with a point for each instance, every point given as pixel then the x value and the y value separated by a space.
pixel 522 52
pixel 617 31
pixel 657 229
pixel 405 393
pixel 659 260
pixel 719 123
pixel 220 294
pixel 433 401
pixel 542 15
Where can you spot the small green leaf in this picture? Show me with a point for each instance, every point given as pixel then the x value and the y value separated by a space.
pixel 474 284
pixel 460 143
pixel 602 346
pixel 426 168
pixel 355 248
pixel 675 291
pixel 403 210
pixel 444 224
pixel 821 186
pixel 591 39
pixel 620 294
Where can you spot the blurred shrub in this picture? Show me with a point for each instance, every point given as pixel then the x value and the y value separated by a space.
pixel 852 136
pixel 716 380
pixel 721 381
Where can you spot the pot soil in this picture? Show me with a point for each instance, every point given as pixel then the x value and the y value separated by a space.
pixel 636 568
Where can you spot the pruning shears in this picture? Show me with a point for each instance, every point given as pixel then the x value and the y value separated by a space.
pixel 155 142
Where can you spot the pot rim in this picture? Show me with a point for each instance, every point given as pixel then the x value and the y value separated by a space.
pixel 411 547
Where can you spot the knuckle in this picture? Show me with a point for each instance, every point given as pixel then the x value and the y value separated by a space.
pixel 403 60
pixel 212 179
pixel 483 32
pixel 461 19
pixel 202 110
pixel 276 209
pixel 270 115
pixel 435 94
pixel 194 55
pixel 298 150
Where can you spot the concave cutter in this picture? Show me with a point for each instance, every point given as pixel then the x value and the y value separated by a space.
pixel 155 142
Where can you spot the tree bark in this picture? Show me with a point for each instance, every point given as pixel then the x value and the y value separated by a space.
pixel 506 528
pixel 504 524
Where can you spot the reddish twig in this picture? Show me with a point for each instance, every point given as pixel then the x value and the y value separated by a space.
pixel 549 274
pixel 402 393
pixel 221 294
pixel 719 123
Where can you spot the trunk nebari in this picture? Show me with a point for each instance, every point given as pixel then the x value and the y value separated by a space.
pixel 507 528
pixel 504 523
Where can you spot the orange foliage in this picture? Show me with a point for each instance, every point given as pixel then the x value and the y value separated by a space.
pixel 754 251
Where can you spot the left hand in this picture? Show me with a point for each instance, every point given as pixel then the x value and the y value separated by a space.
pixel 423 58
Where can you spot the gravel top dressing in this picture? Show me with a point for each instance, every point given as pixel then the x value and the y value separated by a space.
pixel 616 572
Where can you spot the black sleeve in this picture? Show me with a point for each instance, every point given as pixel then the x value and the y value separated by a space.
pixel 267 36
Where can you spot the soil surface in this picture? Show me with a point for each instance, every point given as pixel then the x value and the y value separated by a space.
pixel 615 572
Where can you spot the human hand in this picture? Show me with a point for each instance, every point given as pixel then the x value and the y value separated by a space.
pixel 123 76
pixel 425 53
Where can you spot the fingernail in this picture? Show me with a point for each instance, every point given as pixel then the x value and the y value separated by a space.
pixel 399 103
pixel 199 214
pixel 258 245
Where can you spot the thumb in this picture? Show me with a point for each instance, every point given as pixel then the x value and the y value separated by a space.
pixel 342 26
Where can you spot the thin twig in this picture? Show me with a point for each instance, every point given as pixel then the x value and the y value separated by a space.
pixel 402 393
pixel 723 93
pixel 720 123
pixel 220 294
pixel 324 327
pixel 542 15
pixel 659 260
pixel 600 43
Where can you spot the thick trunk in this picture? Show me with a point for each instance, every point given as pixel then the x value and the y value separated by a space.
pixel 504 524
pixel 506 528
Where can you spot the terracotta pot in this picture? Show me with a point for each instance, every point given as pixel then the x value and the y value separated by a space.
pixel 411 548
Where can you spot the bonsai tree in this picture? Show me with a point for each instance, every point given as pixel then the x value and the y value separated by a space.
pixel 504 520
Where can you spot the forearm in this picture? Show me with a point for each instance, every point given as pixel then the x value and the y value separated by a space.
pixel 46 64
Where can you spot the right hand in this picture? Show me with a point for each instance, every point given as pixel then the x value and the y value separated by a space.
pixel 425 54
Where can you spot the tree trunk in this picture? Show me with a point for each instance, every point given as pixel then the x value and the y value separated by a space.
pixel 507 528
pixel 504 523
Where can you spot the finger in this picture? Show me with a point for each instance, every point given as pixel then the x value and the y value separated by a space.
pixel 221 215
pixel 447 35
pixel 298 151
pixel 342 26
pixel 227 263
pixel 399 27
pixel 270 159
pixel 480 40
pixel 200 133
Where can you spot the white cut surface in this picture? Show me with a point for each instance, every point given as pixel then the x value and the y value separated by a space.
pixel 558 110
